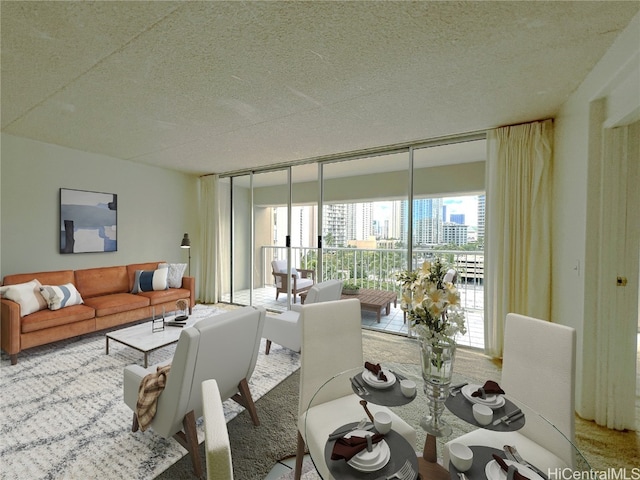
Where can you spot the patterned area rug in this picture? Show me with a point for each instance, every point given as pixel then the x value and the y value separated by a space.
pixel 63 416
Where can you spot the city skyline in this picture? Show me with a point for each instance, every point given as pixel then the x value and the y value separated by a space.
pixel 464 204
pixel 346 223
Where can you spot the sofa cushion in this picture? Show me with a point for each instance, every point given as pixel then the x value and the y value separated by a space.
pixel 176 272
pixel 61 296
pixel 116 303
pixel 303 283
pixel 53 318
pixel 27 295
pixel 95 282
pixel 150 280
pixel 162 296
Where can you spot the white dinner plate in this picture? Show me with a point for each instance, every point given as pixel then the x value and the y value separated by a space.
pixel 494 472
pixel 371 380
pixel 370 461
pixel 493 401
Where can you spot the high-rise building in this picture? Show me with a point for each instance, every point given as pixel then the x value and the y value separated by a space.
pixel 334 224
pixel 426 221
pixel 454 233
pixel 396 226
pixel 481 202
pixel 303 221
pixel 457 218
pixel 359 221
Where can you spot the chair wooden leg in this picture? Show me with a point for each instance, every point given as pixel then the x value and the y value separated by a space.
pixel 268 347
pixel 299 457
pixel 245 399
pixel 135 425
pixel 189 440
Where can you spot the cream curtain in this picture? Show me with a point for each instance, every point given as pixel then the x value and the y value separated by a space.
pixel 209 219
pixel 517 268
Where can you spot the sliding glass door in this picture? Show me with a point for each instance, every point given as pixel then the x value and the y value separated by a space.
pixel 361 219
pixel 364 231
pixel 271 217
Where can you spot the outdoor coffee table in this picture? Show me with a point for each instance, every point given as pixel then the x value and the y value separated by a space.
pixel 370 299
pixel 141 337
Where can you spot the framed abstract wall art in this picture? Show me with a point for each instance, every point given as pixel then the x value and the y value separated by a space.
pixel 88 221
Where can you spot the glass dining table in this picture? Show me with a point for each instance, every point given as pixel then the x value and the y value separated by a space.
pixel 426 456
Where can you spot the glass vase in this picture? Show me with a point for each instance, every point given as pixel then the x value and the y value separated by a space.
pixel 437 369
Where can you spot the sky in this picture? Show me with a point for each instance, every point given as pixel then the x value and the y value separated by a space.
pixel 467 205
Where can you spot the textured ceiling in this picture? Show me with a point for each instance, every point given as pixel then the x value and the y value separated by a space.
pixel 207 87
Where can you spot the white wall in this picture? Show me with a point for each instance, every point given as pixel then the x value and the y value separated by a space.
pixel 155 207
pixel 614 81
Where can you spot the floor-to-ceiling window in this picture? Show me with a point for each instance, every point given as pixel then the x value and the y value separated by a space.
pixel 378 213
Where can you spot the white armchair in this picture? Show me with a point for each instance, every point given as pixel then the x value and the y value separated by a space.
pixel 216 436
pixel 285 329
pixel 222 347
pixel 300 281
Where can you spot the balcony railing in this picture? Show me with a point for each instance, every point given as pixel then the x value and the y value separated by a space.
pixel 377 268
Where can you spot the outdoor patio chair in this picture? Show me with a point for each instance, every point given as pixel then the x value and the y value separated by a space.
pixel 301 280
pixel 221 347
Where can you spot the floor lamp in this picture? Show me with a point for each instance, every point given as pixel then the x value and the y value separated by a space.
pixel 186 243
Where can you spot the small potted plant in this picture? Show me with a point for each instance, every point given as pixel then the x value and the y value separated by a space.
pixel 350 288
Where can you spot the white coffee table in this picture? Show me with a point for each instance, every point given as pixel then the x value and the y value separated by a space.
pixel 141 337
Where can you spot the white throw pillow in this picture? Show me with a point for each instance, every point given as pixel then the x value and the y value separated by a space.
pixel 176 272
pixel 27 295
pixel 61 296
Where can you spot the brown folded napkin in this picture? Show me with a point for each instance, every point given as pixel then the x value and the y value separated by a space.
pixel 376 370
pixel 516 475
pixel 489 388
pixel 347 448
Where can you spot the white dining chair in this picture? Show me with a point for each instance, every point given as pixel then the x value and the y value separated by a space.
pixel 331 344
pixel 538 370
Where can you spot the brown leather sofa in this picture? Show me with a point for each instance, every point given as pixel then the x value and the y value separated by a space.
pixel 107 303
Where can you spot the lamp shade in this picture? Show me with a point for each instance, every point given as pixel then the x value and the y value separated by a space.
pixel 186 243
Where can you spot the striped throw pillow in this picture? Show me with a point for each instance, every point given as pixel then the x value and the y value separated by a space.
pixel 60 296
pixel 149 280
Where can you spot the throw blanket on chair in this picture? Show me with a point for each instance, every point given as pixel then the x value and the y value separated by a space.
pixel 150 389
